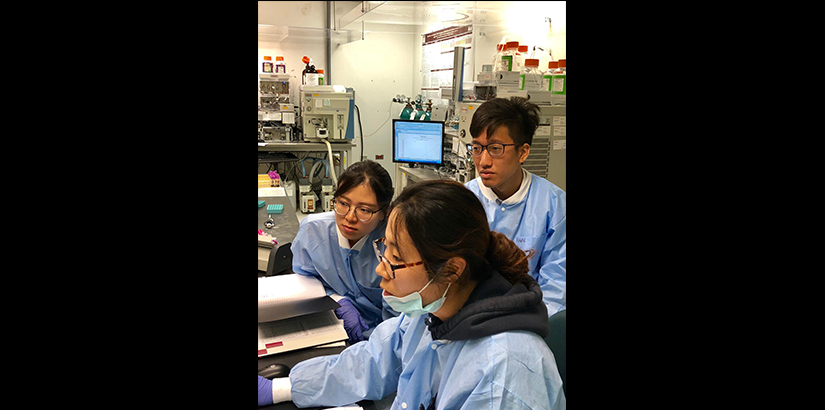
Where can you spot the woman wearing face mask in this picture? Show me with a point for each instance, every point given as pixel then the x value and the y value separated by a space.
pixel 336 247
pixel 471 326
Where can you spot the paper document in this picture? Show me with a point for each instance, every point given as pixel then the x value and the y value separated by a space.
pixel 282 289
pixel 283 293
pixel 274 191
pixel 300 332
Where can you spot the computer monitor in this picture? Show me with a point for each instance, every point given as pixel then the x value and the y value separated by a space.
pixel 419 142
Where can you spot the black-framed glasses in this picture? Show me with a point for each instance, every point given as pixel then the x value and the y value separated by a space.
pixel 495 149
pixel 363 214
pixel 379 247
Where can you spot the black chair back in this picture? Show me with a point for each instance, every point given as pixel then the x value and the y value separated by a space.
pixel 557 341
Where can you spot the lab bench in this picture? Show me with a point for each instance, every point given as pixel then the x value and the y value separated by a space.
pixel 285 228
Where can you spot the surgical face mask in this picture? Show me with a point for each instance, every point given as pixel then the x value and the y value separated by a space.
pixel 411 304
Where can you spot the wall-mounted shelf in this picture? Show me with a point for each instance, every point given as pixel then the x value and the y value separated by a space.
pixel 276 34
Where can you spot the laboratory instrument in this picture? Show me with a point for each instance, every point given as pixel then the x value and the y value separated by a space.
pixel 326 111
pixel 327 190
pixel 465 111
pixel 276 115
pixel 548 152
pixel 307 196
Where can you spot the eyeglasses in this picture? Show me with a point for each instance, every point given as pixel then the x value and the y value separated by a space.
pixel 379 247
pixel 495 149
pixel 362 213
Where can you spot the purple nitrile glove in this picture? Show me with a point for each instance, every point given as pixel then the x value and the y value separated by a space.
pixel 353 323
pixel 264 391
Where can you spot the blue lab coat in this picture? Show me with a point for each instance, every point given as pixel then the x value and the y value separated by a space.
pixel 535 217
pixel 319 250
pixel 488 356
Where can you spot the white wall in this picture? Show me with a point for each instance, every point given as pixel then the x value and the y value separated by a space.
pixel 378 68
pixel 309 14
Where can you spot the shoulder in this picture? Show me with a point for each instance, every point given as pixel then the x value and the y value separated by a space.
pixel 315 228
pixel 540 184
pixel 514 344
pixel 472 185
pixel 521 343
pixel 519 360
pixel 324 219
pixel 541 190
pixel 502 350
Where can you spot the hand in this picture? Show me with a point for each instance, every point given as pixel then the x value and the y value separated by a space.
pixel 353 323
pixel 264 391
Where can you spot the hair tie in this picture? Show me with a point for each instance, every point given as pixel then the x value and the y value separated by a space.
pixel 491 247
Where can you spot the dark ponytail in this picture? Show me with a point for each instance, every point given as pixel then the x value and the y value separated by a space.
pixel 508 259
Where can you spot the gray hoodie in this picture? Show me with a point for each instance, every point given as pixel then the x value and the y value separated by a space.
pixel 495 306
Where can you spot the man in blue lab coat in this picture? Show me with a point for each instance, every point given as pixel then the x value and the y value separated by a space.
pixel 527 208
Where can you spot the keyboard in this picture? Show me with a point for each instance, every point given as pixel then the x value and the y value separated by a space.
pixel 264 157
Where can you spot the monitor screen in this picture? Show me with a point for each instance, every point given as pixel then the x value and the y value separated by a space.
pixel 418 141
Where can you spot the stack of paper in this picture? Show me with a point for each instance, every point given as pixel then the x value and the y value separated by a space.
pixel 293 313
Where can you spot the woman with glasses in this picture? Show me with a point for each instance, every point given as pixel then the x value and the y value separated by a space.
pixel 336 247
pixel 471 326
pixel 528 209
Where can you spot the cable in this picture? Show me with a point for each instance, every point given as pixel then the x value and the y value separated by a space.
pixel 389 114
pixel 316 166
pixel 332 168
pixel 360 127
pixel 316 159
